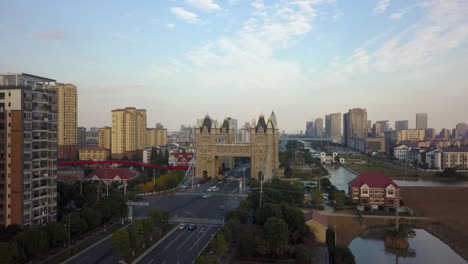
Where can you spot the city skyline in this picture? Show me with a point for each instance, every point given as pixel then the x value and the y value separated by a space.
pixel 296 58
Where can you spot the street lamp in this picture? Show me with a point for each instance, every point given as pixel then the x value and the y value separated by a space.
pixel 69 230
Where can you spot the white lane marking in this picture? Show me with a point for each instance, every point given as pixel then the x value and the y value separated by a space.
pixel 196 242
pixel 181 233
pixel 193 232
pixel 151 261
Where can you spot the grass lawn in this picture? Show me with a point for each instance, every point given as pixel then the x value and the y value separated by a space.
pixel 373 166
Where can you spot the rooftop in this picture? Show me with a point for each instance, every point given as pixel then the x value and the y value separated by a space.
pixel 373 180
pixel 124 174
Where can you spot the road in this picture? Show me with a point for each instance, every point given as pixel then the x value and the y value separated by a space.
pixel 180 246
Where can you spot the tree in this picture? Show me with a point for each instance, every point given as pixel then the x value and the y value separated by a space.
pixel 160 218
pixel 294 217
pixel 121 243
pixel 34 242
pixel 90 193
pixel 206 260
pixel 219 244
pixel 78 225
pixel 148 228
pixel 317 196
pixel 268 210
pixel 57 233
pixel 136 237
pixel 92 217
pixel 303 252
pixel 339 197
pixel 10 252
pixel 262 246
pixel 342 255
pixel 276 232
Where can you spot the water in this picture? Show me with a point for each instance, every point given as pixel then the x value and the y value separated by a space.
pixel 424 248
pixel 340 176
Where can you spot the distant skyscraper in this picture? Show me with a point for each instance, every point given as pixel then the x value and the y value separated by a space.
pixel 156 137
pixel 81 137
pixel 105 140
pixel 92 137
pixel 318 127
pixel 232 123
pixel 309 129
pixel 376 130
pixel 128 132
pixel 67 120
pixel 430 133
pixel 333 125
pixel 356 128
pixel 421 120
pixel 159 126
pixel 444 134
pixel 369 126
pixel 28 147
pixel 462 129
pixel 401 125
pixel 384 126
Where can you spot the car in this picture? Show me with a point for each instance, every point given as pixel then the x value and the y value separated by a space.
pixel 192 227
pixel 181 226
pixel 206 196
pixel 210 189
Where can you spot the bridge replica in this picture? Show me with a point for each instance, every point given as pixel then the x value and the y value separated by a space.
pixel 216 147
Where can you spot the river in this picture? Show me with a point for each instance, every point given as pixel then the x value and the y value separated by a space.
pixel 340 176
pixel 424 248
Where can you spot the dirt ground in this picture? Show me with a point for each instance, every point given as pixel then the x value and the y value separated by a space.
pixel 448 207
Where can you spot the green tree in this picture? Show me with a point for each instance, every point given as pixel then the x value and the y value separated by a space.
pixel 90 193
pixel 78 225
pixel 342 255
pixel 294 218
pixel 121 243
pixel 206 260
pixel 268 210
pixel 136 237
pixel 276 232
pixel 35 242
pixel 10 252
pixel 317 196
pixel 247 246
pixel 262 246
pixel 219 244
pixel 148 228
pixel 303 252
pixel 160 218
pixel 339 197
pixel 57 233
pixel 92 217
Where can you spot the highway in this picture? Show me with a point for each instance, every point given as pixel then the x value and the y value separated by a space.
pixel 182 246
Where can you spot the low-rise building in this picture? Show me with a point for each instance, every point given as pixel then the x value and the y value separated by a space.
pixel 94 153
pixel 180 159
pixel 401 152
pixel 374 190
pixel 375 144
pixel 107 176
pixel 318 224
pixel 455 157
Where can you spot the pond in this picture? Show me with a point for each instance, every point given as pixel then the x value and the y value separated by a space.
pixel 340 176
pixel 424 248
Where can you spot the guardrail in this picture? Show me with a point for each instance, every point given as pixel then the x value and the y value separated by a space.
pixel 157 193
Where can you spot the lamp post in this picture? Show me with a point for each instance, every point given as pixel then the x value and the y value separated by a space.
pixel 69 231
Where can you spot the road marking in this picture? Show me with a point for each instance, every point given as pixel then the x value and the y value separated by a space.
pixel 193 232
pixel 181 233
pixel 196 242
pixel 151 261
pixel 164 262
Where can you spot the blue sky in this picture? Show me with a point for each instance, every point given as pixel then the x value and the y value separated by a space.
pixel 182 59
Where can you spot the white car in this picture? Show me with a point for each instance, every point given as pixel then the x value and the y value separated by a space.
pixel 209 189
pixel 206 196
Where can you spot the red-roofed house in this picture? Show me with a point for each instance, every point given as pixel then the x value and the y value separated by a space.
pixel 317 224
pixel 180 159
pixel 111 175
pixel 374 190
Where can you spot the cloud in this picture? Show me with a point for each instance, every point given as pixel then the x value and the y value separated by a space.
pixel 184 14
pixel 205 5
pixel 381 7
pixel 170 25
pixel 399 14
pixel 49 36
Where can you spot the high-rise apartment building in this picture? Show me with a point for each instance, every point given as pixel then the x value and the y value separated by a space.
pixel 376 130
pixel 67 120
pixel 81 137
pixel 355 127
pixel 421 120
pixel 318 127
pixel 410 135
pixel 333 126
pixel 444 134
pixel 156 137
pixel 232 122
pixel 28 150
pixel 128 132
pixel 430 133
pixel 462 129
pixel 105 135
pixel 309 129
pixel 401 125
pixel 384 125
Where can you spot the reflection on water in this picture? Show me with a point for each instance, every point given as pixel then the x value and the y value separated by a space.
pixel 340 177
pixel 424 248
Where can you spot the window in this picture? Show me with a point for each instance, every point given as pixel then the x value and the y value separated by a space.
pixel 355 191
pixel 390 192
pixel 364 191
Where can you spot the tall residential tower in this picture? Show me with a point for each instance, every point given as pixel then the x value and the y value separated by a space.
pixel 67 120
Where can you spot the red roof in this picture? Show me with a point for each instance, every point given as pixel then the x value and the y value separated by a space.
pixel 317 217
pixel 181 155
pixel 103 174
pixel 373 180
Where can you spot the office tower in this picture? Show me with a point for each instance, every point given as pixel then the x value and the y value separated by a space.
pixel 462 129
pixel 356 128
pixel 430 133
pixel 309 129
pixel 92 137
pixel 128 132
pixel 376 130
pixel 67 120
pixel 333 125
pixel 28 150
pixel 444 134
pixel 369 126
pixel 94 129
pixel 401 125
pixel 318 127
pixel 421 120
pixel 345 129
pixel 232 123
pixel 384 125
pixel 81 137
pixel 156 137
pixel 105 137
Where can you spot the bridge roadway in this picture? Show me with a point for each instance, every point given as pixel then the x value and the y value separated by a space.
pixel 181 246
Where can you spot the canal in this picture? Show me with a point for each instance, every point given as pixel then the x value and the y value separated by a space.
pixel 423 248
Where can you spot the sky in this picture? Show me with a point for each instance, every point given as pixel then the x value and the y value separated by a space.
pixel 183 59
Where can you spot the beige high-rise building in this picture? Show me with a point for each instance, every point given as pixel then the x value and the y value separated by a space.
pixel 355 127
pixel 128 133
pixel 410 135
pixel 156 137
pixel 421 120
pixel 333 125
pixel 105 137
pixel 66 120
